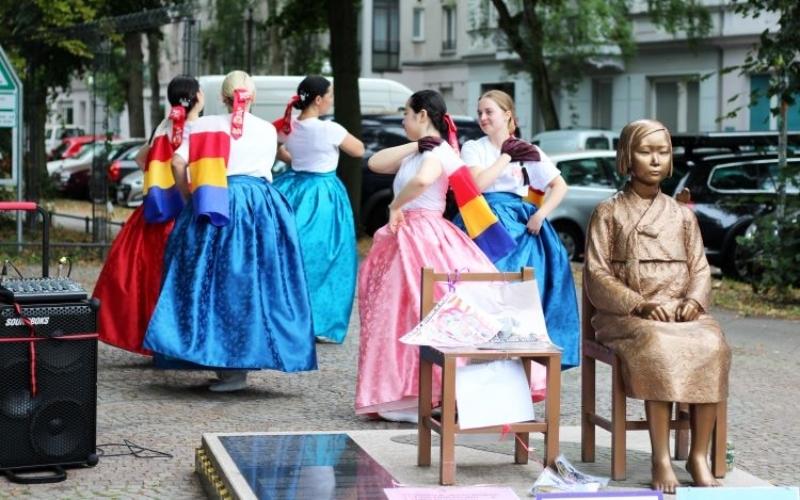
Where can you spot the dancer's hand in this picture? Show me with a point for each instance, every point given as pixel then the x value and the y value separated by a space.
pixel 652 310
pixel 396 219
pixel 534 224
pixel 520 150
pixel 428 142
pixel 688 310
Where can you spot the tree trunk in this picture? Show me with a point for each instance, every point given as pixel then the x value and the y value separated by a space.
pixel 154 52
pixel 530 49
pixel 275 42
pixel 543 91
pixel 134 59
pixel 342 20
pixel 35 117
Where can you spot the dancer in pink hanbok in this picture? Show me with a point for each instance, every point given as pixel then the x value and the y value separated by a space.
pixel 416 236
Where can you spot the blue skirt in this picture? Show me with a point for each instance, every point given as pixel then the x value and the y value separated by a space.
pixel 235 296
pixel 324 220
pixel 548 257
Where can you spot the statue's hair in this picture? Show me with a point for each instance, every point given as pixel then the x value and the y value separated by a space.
pixel 629 140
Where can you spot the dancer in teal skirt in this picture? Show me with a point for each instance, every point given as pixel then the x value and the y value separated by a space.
pixel 322 209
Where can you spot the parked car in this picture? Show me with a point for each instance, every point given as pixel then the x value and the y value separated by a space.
pixel 130 191
pixel 592 177
pixel 72 177
pixel 727 193
pixel 56 134
pixel 72 146
pixel 689 148
pixel 573 140
pixel 120 167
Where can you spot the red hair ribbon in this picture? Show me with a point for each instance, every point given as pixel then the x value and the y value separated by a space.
pixel 178 117
pixel 284 123
pixel 240 98
pixel 452 136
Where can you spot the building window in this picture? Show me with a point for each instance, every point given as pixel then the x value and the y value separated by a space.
pixel 677 104
pixel 385 36
pixel 761 118
pixel 418 25
pixel 448 28
pixel 601 103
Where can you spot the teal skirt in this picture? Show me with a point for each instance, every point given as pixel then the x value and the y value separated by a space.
pixel 324 219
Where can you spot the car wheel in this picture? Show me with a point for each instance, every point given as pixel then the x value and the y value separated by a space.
pixel 570 237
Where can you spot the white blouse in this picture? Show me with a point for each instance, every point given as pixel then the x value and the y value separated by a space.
pixel 482 153
pixel 432 198
pixel 251 154
pixel 314 144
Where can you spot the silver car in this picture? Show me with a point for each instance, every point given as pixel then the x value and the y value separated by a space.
pixel 130 189
pixel 591 177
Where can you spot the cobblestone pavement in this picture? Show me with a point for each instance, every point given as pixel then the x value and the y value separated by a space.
pixel 169 410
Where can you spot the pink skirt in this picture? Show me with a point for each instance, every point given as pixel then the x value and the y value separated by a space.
pixel 389 285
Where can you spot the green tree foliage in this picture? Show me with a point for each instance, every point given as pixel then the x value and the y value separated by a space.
pixel 223 42
pixel 130 76
pixel 556 40
pixel 777 244
pixel 310 18
pixel 300 25
pixel 38 36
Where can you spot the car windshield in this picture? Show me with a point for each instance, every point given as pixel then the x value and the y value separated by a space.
pixel 60 150
pixel 131 153
pixel 88 150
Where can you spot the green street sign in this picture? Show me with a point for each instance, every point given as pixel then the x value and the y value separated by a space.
pixel 11 124
pixel 6 81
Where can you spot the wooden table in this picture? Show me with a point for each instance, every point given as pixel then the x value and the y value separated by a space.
pixel 446 425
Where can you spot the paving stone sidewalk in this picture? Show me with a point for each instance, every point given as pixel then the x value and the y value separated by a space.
pixel 169 410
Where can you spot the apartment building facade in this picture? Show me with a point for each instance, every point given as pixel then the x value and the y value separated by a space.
pixel 438 44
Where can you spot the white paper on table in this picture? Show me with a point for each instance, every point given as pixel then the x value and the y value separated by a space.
pixel 516 305
pixel 493 393
pixel 451 493
pixel 453 322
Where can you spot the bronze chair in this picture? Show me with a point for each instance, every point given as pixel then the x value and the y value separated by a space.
pixel 617 425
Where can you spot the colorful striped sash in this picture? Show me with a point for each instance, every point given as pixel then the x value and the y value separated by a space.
pixel 162 199
pixel 209 150
pixel 482 224
pixel 534 196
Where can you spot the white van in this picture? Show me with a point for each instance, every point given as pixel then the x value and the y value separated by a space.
pixel 574 140
pixel 377 95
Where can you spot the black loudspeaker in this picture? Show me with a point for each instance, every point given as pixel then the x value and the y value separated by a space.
pixel 57 426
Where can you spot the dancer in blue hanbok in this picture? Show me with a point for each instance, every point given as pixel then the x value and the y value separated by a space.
pixel 234 296
pixel 511 173
pixel 322 208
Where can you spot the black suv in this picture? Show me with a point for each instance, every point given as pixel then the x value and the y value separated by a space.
pixel 727 193
pixel 384 131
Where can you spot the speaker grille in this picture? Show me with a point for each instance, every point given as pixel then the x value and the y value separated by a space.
pixel 57 427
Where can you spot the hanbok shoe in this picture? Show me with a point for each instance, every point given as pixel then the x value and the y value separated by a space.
pixel 229 381
pixel 410 415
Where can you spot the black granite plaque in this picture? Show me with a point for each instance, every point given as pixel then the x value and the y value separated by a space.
pixel 307 466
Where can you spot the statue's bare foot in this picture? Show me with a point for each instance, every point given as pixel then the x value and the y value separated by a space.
pixel 664 478
pixel 700 472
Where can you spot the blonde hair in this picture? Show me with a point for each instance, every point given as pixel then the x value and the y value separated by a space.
pixel 506 103
pixel 236 79
pixel 630 138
